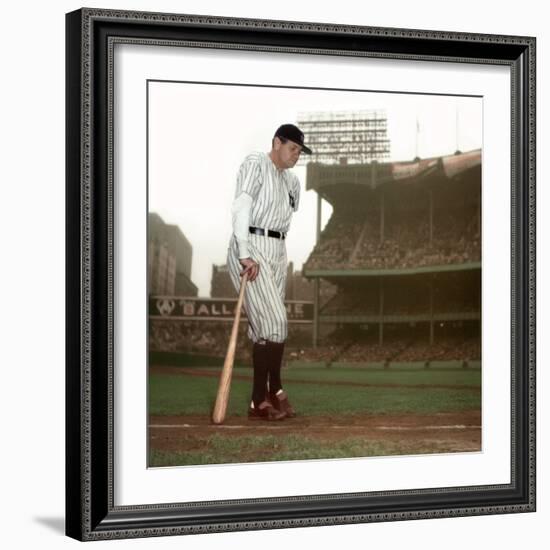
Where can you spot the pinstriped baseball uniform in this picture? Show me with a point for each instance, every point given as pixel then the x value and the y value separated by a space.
pixel 275 196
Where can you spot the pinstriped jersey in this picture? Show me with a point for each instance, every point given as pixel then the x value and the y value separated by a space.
pixel 275 193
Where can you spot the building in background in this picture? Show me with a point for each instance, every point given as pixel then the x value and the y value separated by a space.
pixel 220 284
pixel 169 259
pixel 298 287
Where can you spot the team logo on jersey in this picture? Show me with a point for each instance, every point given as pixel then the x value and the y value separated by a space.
pixel 292 201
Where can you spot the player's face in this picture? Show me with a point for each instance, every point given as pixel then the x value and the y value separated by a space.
pixel 289 153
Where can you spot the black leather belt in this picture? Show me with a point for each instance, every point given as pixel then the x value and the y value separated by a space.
pixel 270 233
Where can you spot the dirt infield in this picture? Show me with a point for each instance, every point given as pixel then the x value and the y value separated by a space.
pixel 444 432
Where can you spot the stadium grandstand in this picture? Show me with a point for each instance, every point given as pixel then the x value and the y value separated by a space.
pixel 403 249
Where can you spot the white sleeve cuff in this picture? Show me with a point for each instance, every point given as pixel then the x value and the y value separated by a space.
pixel 243 249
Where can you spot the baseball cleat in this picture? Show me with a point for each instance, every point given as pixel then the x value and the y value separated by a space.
pixel 281 403
pixel 265 411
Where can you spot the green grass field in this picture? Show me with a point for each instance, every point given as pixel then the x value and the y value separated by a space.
pixel 220 449
pixel 181 394
pixel 345 394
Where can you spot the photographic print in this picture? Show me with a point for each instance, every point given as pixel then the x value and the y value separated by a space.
pixel 356 217
pixel 274 267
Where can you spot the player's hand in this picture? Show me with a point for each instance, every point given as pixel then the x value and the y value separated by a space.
pixel 250 267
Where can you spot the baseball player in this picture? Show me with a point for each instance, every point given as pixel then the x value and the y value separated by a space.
pixel 266 196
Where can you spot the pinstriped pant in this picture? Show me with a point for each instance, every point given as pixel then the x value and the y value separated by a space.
pixel 264 297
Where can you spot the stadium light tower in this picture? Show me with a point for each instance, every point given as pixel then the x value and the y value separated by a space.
pixel 346 137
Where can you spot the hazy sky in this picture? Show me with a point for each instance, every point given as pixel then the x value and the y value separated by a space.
pixel 200 133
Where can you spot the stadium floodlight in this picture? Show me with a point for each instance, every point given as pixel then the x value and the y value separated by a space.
pixel 346 137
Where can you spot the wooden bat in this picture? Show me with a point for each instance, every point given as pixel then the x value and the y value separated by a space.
pixel 218 416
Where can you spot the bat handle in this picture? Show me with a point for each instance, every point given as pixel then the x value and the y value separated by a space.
pixel 244 279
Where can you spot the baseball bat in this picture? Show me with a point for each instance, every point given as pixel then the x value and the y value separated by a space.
pixel 222 398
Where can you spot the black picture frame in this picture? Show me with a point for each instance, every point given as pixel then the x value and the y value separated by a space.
pixel 90 512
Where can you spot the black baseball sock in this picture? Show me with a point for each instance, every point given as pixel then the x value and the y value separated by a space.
pixel 275 352
pixel 259 360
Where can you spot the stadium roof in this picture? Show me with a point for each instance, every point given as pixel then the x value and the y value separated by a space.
pixel 328 179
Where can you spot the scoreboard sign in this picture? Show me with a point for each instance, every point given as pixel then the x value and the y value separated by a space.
pixel 178 308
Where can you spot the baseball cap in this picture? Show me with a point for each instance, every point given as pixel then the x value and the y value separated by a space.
pixel 293 133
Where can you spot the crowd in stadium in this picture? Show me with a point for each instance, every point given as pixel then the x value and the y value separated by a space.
pixel 342 345
pixel 446 349
pixel 351 243
pixel 450 296
pixel 203 338
pixel 336 244
pixel 211 337
pixel 352 303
